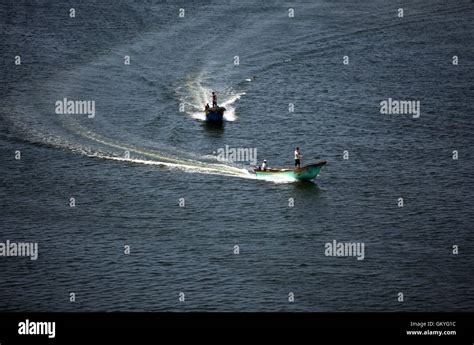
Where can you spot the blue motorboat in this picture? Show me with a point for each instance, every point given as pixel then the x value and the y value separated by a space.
pixel 215 114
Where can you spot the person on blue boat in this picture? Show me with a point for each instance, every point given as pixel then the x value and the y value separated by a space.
pixel 298 156
pixel 207 106
pixel 214 99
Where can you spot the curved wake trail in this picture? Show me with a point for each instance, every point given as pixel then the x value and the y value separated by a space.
pixel 156 158
pixel 211 169
pixel 143 156
pixel 187 165
pixel 124 152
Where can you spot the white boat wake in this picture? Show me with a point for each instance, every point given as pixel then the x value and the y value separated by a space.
pixel 194 96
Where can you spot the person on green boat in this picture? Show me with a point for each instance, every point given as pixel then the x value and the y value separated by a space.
pixel 298 156
pixel 264 165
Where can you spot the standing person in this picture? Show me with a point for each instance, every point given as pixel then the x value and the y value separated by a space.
pixel 214 99
pixel 264 165
pixel 298 156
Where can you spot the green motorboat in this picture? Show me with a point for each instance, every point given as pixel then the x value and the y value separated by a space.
pixel 305 173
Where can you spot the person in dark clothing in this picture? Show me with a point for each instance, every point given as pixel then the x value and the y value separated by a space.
pixel 214 99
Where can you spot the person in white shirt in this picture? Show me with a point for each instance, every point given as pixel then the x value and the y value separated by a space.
pixel 264 165
pixel 298 156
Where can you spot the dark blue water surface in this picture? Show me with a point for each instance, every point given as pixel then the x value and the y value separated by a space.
pixel 134 200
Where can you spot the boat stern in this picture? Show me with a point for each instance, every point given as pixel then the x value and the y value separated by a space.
pixel 215 114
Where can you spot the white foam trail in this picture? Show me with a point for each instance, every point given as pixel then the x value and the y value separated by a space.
pixel 211 169
pixel 229 115
pixel 198 115
pixel 159 159
pixel 186 165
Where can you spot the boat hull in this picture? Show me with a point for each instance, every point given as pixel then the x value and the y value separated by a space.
pixel 305 173
pixel 215 114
